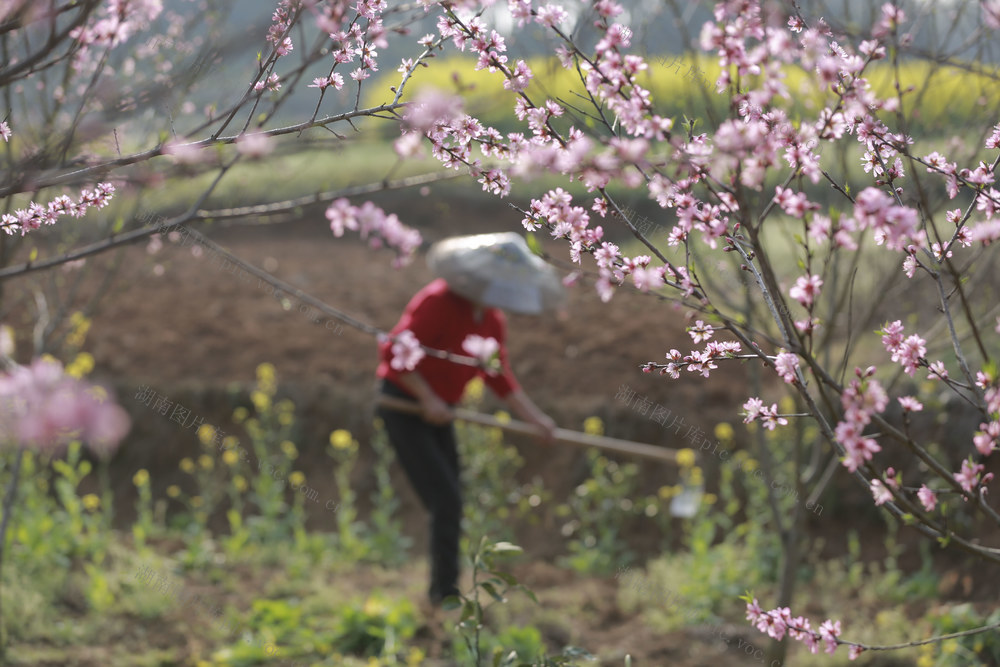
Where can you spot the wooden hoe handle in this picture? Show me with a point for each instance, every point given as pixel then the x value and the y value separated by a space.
pixel 561 435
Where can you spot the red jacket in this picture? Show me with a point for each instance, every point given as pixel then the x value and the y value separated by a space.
pixel 441 319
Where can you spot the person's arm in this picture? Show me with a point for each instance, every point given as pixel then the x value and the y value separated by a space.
pixel 435 410
pixel 525 408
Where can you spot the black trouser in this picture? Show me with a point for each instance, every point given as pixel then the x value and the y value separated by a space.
pixel 429 455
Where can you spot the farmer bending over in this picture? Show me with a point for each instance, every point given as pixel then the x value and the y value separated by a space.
pixel 478 275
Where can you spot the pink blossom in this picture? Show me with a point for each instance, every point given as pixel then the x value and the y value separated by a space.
pixel 184 153
pixel 36 215
pixel 992 398
pixel 794 204
pixel 406 351
pixel 431 109
pixel 800 628
pixel 272 82
pixel 753 611
pixel 646 278
pixel 910 404
pixel 485 349
pixel 255 146
pixel 993 141
pixel 927 498
pixel 937 371
pixel 372 223
pixel 910 353
pixel 968 478
pixel 786 365
pixel 854 652
pixel 775 622
pixel 5 132
pixel 985 440
pixel 409 145
pixel 700 331
pixel 892 336
pixel 806 289
pixel 880 492
pixel 829 631
pixel 753 408
pixel 551 15
pixel 42 407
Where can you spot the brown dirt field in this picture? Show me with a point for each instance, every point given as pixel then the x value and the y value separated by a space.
pixel 197 334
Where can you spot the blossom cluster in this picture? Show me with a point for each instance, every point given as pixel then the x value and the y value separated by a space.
pixel 909 352
pixel 779 621
pixel 863 398
pixel 767 416
pixel 36 215
pixel 117 20
pixel 406 351
pixel 43 407
pixel 376 226
pixel 281 23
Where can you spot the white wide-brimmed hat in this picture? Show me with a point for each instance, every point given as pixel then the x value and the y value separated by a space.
pixel 497 270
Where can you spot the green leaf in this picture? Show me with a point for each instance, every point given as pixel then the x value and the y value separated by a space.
pixel 491 589
pixel 533 244
pixel 507 578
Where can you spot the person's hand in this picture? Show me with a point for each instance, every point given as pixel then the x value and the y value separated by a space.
pixel 435 411
pixel 547 429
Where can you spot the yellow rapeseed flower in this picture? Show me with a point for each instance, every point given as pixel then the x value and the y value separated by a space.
pixel 91 502
pixel 474 390
pixel 240 414
pixel 206 434
pixel 261 400
pixel 710 499
pixel 285 418
pixel 206 462
pixel 374 607
pixel 502 416
pixel 81 326
pixel 341 439
pixel 296 479
pixel 81 365
pixel 196 501
pixel 593 426
pixel 265 372
pixel 285 405
pixel 668 492
pixel 724 431
pixel 685 458
pixel 288 447
pixel 750 465
pixel 696 475
pixel 187 465
pixel 230 457
pixel 173 490
pixel 141 477
pixel 415 658
pixel 240 483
